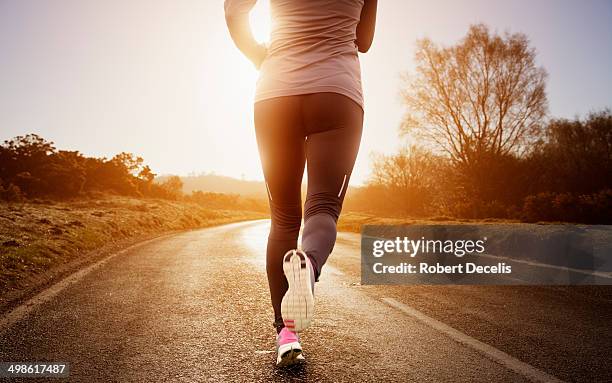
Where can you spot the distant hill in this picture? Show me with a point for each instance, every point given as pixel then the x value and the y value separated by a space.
pixel 220 184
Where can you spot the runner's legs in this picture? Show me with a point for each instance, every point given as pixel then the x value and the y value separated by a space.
pixel 323 129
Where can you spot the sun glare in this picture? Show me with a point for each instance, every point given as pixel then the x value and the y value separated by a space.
pixel 260 21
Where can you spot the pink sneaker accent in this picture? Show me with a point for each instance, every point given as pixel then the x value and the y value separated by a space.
pixel 286 336
pixel 288 348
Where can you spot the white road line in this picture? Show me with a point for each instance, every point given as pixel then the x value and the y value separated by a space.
pixel 600 274
pixel 24 309
pixel 491 352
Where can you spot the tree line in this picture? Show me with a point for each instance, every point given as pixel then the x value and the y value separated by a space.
pixel 33 168
pixel 480 144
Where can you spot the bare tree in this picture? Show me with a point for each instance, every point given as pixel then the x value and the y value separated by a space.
pixel 408 177
pixel 482 96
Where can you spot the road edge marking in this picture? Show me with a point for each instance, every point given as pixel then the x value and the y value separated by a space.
pixel 600 274
pixel 21 311
pixel 530 372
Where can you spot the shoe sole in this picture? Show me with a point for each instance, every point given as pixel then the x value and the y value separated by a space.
pixel 288 354
pixel 297 306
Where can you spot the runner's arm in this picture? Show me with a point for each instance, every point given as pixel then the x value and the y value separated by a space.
pixel 367 23
pixel 237 20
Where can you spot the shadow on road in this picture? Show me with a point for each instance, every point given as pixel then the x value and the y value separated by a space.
pixel 295 372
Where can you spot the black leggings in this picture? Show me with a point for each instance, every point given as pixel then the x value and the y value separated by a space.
pixel 322 130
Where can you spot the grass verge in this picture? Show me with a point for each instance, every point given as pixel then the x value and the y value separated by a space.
pixel 352 222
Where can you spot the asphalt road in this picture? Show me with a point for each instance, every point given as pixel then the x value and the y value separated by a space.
pixel 194 307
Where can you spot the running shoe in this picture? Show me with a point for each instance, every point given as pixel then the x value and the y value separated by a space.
pixel 297 306
pixel 288 348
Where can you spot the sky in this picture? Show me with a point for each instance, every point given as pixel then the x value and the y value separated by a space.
pixel 162 79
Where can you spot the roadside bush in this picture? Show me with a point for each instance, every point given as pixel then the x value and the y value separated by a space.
pixel 11 193
pixel 36 169
pixel 479 210
pixel 587 208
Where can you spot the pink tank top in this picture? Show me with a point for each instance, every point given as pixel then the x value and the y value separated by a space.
pixel 312 48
